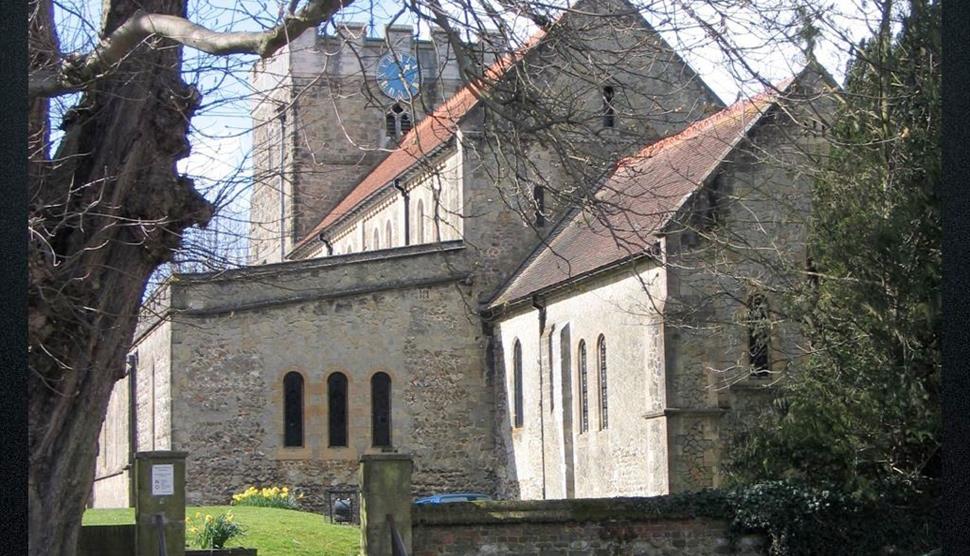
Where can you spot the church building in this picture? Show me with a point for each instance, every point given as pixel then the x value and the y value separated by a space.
pixel 544 274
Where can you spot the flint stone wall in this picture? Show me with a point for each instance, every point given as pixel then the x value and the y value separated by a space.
pixel 575 527
pixel 235 337
pixel 763 213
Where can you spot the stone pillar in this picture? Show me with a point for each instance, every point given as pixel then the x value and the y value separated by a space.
pixel 385 497
pixel 160 503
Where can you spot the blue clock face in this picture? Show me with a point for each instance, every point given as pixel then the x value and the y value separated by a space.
pixel 397 76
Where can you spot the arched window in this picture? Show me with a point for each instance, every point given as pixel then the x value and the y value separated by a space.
pixel 397 123
pixel 380 396
pixel 517 400
pixel 387 234
pixel 759 335
pixel 539 197
pixel 609 112
pixel 390 123
pixel 405 124
pixel 583 389
pixel 419 220
pixel 601 351
pixel 337 409
pixel 293 409
pixel 377 239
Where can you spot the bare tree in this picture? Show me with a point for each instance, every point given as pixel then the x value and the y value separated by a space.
pixel 105 210
pixel 109 206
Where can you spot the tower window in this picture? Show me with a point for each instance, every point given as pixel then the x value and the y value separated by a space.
pixel 759 335
pixel 380 395
pixel 517 385
pixel 609 112
pixel 377 239
pixel 583 389
pixel 293 410
pixel 337 409
pixel 601 352
pixel 405 122
pixel 390 125
pixel 397 123
pixel 387 235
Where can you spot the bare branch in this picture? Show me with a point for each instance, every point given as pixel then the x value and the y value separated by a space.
pixel 75 72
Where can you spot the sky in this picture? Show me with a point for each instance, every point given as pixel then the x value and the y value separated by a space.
pixel 220 135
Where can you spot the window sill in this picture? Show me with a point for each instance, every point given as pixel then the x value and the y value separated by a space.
pixel 293 453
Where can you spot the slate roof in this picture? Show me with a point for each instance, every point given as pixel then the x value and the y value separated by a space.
pixel 433 131
pixel 636 201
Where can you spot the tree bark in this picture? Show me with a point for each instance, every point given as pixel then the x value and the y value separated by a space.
pixel 104 212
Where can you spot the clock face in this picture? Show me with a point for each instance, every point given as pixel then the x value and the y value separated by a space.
pixel 397 76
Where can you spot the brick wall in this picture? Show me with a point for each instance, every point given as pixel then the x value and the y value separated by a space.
pixel 581 526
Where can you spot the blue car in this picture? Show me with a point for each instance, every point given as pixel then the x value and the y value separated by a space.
pixel 449 498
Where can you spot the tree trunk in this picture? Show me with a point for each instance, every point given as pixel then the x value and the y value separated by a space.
pixel 104 212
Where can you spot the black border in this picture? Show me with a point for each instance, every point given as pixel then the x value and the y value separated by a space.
pixel 13 275
pixel 956 279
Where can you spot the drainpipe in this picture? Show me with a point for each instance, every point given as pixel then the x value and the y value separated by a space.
pixel 281 114
pixel 326 242
pixel 132 421
pixel 539 306
pixel 407 211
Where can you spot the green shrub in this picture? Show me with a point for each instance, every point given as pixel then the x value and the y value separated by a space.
pixel 213 532
pixel 802 520
pixel 267 497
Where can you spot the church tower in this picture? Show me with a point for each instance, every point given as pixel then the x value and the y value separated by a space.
pixel 328 108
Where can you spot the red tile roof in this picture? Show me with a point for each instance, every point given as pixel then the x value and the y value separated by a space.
pixel 636 201
pixel 433 131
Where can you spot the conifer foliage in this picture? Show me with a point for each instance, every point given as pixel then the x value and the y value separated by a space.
pixel 863 415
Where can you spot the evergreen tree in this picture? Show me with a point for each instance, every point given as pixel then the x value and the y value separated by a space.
pixel 863 415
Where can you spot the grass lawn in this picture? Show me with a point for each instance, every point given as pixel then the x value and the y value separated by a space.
pixel 273 532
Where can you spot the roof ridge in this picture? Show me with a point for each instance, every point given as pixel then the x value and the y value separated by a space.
pixel 704 124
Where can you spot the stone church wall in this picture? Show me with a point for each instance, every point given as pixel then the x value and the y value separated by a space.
pixel 111 470
pixel 657 94
pixel 335 124
pixel 235 337
pixel 272 183
pixel 759 246
pixel 628 456
pixel 153 406
pixel 437 184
